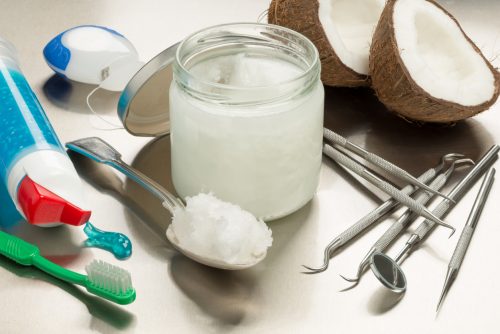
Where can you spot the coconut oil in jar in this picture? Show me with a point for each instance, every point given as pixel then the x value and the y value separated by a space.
pixel 246 113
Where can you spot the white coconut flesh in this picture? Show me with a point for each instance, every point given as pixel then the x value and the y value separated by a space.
pixel 438 56
pixel 349 27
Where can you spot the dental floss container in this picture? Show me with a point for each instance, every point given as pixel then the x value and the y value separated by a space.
pixel 94 55
pixel 40 178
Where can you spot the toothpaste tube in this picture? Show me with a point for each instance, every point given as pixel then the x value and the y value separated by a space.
pixel 40 177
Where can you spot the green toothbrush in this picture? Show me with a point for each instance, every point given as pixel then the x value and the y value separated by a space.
pixel 103 280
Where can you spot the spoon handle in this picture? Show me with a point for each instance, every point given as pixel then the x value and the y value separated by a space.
pixel 169 201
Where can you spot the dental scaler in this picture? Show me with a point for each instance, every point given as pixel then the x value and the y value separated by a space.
pixel 39 175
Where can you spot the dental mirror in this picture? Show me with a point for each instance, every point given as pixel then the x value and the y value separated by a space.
pixel 388 272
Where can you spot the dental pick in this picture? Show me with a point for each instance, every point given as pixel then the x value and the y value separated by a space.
pixel 466 236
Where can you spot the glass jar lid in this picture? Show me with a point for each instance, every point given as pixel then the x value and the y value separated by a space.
pixel 144 104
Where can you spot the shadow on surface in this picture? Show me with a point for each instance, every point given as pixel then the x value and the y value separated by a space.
pixel 383 300
pixel 72 96
pixel 154 161
pixel 54 240
pixel 359 116
pixel 224 295
pixel 286 231
pixel 98 307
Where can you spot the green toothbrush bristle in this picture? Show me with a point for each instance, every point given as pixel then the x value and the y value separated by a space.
pixel 109 281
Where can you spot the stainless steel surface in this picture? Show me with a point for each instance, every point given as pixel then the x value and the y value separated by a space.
pixel 175 294
pixel 387 166
pixel 98 150
pixel 463 243
pixel 397 194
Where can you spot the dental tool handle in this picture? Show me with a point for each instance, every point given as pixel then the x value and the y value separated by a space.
pixel 482 196
pixel 470 225
pixel 382 185
pixel 169 201
pixel 380 211
pixel 461 248
pixel 334 137
pixel 408 216
pixel 365 222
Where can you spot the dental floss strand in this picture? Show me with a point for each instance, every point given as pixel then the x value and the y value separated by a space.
pixel 114 126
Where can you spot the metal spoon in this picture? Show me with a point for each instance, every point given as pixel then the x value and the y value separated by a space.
pixel 100 151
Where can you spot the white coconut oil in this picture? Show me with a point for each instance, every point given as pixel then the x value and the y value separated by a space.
pixel 219 230
pixel 247 126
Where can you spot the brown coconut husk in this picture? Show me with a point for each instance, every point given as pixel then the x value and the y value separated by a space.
pixel 396 88
pixel 302 16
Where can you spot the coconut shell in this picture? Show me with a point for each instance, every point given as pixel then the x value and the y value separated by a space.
pixel 302 16
pixel 395 87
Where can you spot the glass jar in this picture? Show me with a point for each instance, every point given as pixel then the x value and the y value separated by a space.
pixel 246 117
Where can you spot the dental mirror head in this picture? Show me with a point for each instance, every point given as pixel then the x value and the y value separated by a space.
pixel 93 55
pixel 388 272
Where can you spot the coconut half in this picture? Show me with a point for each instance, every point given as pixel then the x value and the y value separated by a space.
pixel 342 31
pixel 425 68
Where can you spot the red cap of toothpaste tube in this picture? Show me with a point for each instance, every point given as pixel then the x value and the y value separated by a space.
pixel 41 206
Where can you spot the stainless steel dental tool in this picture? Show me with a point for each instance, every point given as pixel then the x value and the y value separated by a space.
pixel 385 186
pixel 466 236
pixel 377 160
pixel 404 220
pixel 374 216
pixel 387 270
